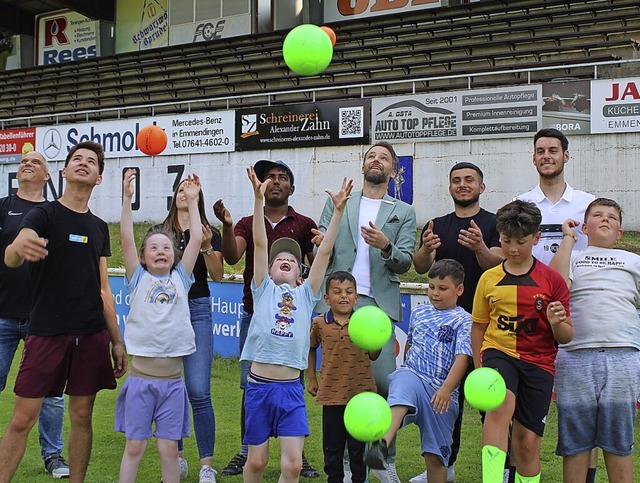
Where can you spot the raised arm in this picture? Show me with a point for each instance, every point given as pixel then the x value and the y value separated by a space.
pixel 233 247
pixel 129 251
pixel 192 250
pixel 213 260
pixel 323 253
pixel 425 255
pixel 562 258
pixel 260 244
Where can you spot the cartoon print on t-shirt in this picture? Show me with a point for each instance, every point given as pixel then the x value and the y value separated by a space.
pixel 283 319
pixel 161 292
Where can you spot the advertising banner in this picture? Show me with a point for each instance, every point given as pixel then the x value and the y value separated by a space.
pixel 65 36
pixel 482 113
pixel 205 30
pixel 210 132
pixel 16 142
pixel 226 311
pixel 566 106
pixel 141 25
pixel 336 10
pixel 337 123
pixel 615 105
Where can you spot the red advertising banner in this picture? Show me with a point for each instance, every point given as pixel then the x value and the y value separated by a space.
pixel 16 142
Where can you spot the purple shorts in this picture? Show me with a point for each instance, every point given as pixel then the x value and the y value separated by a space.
pixel 142 402
pixel 79 365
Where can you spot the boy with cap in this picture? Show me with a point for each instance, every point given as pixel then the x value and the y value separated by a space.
pixel 278 341
pixel 238 239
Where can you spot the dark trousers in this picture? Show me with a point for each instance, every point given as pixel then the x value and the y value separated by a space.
pixel 334 437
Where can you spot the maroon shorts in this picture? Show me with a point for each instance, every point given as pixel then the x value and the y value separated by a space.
pixel 79 365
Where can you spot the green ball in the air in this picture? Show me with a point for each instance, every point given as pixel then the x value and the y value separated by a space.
pixel 307 50
pixel 485 389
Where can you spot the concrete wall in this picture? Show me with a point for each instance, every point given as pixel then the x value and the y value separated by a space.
pixel 606 165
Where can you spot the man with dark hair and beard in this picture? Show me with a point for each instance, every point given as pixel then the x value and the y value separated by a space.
pixel 375 243
pixel 468 234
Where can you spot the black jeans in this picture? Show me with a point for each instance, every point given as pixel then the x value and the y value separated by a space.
pixel 334 437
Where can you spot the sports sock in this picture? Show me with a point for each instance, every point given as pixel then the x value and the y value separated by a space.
pixel 244 450
pixel 527 479
pixel 493 459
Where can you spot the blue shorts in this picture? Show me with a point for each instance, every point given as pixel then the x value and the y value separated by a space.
pixel 596 394
pixel 274 409
pixel 531 385
pixel 142 402
pixel 436 430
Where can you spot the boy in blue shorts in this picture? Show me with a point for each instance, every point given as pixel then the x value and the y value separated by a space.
pixel 425 389
pixel 598 371
pixel 278 339
pixel 520 313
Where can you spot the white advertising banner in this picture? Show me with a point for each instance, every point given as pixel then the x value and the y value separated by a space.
pixel 615 105
pixel 65 36
pixel 208 132
pixel 205 30
pixel 336 10
pixel 482 113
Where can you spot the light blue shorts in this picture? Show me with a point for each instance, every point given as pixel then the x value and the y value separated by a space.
pixel 142 402
pixel 436 430
pixel 596 394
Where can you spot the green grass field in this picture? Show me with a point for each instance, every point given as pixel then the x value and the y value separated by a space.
pixel 108 445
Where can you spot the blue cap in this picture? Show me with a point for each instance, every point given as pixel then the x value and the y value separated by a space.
pixel 264 165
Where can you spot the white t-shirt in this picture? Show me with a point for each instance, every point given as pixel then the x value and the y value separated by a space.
pixel 159 321
pixel 369 209
pixel 605 295
pixel 572 205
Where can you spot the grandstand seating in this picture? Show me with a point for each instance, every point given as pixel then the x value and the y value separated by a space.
pixel 420 51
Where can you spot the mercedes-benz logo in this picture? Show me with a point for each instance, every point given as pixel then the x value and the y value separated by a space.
pixel 52 143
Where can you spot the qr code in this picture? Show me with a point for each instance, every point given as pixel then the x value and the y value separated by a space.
pixel 351 122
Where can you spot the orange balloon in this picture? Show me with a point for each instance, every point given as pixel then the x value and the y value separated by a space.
pixel 330 33
pixel 151 140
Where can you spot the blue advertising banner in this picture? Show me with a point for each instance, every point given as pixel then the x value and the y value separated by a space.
pixel 226 310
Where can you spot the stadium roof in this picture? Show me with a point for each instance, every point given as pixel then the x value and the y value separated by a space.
pixel 18 16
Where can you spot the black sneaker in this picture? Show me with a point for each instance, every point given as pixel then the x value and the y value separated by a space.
pixel 235 466
pixel 307 470
pixel 57 467
pixel 376 455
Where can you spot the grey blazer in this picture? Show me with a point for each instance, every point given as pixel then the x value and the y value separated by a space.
pixel 397 220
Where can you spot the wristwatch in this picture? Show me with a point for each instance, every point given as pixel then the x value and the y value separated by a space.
pixel 388 248
pixel 206 252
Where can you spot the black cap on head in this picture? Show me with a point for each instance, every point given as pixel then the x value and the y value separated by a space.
pixel 264 165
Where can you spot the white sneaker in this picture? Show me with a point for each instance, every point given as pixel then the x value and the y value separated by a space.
pixel 207 474
pixel 390 475
pixel 422 477
pixel 184 468
pixel 451 475
pixel 347 476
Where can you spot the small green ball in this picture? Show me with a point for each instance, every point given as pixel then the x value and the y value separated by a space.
pixel 485 389
pixel 307 50
pixel 367 417
pixel 370 328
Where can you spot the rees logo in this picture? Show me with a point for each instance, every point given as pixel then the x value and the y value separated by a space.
pixel 54 29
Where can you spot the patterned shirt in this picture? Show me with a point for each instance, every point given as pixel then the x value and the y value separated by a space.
pixel 345 370
pixel 436 338
pixel 515 307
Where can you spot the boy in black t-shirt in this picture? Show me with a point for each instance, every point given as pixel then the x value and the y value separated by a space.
pixel 73 317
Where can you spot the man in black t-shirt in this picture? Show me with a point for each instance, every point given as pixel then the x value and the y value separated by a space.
pixel 15 303
pixel 468 234
pixel 73 320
